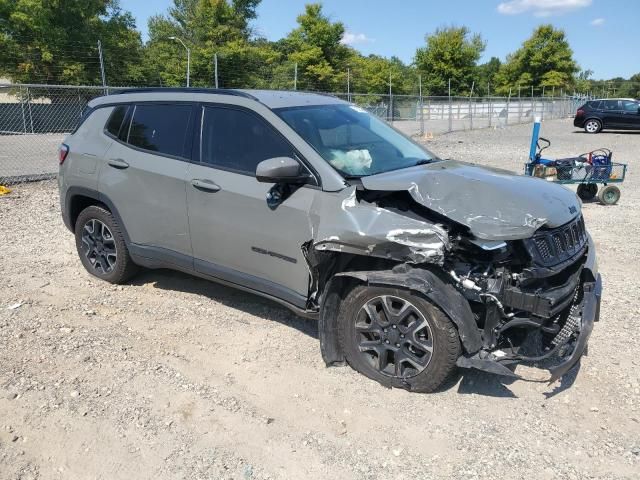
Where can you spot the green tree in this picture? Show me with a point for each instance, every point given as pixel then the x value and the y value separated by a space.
pixel 583 81
pixel 630 88
pixel 316 47
pixel 451 53
pixel 486 75
pixel 372 75
pixel 544 60
pixel 208 27
pixel 55 42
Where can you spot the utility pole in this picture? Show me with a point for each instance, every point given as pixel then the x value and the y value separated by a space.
pixel 473 84
pixel 489 109
pixel 508 107
pixel 295 76
pixel 421 105
pixel 450 109
pixel 104 80
pixel 390 99
pixel 177 39
pixel 519 105
pixel 348 84
pixel 215 69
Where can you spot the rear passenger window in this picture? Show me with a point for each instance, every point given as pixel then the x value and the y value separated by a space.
pixel 161 128
pixel 238 140
pixel 115 120
pixel 610 105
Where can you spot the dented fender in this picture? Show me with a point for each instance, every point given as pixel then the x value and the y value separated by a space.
pixel 363 228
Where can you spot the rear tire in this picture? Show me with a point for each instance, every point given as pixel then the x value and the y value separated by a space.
pixel 609 195
pixel 592 126
pixel 397 338
pixel 101 246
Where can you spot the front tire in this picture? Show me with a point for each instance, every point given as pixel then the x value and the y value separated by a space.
pixel 397 338
pixel 592 126
pixel 101 246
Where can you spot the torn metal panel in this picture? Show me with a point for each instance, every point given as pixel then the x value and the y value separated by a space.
pixel 494 204
pixel 362 228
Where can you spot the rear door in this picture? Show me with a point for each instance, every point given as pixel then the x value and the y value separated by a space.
pixel 144 177
pixel 235 235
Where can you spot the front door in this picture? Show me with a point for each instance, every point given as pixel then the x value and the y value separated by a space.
pixel 235 235
pixel 631 114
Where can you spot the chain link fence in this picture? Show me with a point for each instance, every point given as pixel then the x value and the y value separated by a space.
pixel 34 119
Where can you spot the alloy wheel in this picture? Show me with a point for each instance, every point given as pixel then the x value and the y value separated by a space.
pixel 99 246
pixel 393 336
pixel 592 126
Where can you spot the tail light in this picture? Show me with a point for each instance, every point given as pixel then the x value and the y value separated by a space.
pixel 579 113
pixel 63 151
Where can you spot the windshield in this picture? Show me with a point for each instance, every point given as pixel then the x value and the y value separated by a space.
pixel 353 141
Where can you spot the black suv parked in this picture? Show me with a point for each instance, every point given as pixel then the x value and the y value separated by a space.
pixel 610 114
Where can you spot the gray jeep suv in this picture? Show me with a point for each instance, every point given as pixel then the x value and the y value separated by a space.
pixel 411 264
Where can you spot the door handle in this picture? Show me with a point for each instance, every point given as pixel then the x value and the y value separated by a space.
pixel 206 185
pixel 118 163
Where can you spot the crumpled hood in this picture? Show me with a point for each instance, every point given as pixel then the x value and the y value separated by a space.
pixel 494 204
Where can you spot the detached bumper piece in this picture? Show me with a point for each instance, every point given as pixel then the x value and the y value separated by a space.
pixel 568 344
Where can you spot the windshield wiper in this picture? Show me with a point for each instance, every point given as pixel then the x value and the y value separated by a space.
pixel 423 161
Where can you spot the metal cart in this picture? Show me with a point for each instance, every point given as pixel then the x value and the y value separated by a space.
pixel 587 170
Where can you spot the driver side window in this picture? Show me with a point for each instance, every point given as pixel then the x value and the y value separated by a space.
pixel 629 106
pixel 237 140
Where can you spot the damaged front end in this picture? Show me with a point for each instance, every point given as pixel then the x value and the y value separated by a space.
pixel 535 300
pixel 528 295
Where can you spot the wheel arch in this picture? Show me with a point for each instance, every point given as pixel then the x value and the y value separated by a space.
pixel 419 280
pixel 79 198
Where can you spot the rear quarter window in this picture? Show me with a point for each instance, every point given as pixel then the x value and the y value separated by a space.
pixel 114 124
pixel 593 105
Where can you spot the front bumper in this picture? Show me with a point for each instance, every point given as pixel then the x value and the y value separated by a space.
pixel 590 314
pixel 591 286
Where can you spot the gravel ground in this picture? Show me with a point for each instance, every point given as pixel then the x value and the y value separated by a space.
pixel 174 377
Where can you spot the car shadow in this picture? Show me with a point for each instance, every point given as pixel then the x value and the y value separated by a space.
pixel 604 132
pixel 234 298
pixel 469 381
pixel 490 385
pixel 485 384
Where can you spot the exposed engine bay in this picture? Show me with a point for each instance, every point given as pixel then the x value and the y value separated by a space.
pixel 527 296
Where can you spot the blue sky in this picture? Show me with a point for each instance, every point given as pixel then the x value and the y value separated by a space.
pixel 602 33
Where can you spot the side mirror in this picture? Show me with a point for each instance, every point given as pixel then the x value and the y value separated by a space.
pixel 281 170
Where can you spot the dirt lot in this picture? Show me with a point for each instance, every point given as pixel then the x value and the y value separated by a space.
pixel 173 377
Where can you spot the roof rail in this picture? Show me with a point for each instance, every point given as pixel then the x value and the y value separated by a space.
pixel 216 91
